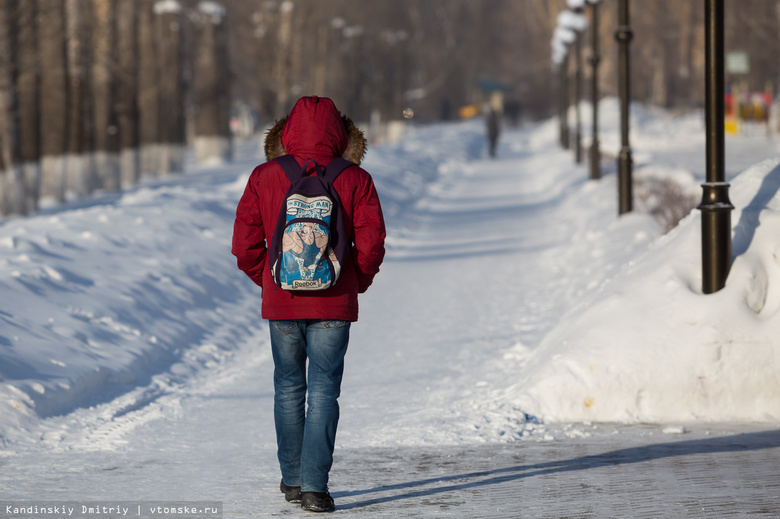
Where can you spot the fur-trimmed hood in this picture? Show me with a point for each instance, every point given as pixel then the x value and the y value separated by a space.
pixel 315 126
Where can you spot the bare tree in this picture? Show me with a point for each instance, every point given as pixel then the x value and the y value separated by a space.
pixel 25 48
pixel 126 103
pixel 211 85
pixel 104 138
pixel 77 15
pixel 168 35
pixel 54 98
pixel 282 64
pixel 260 89
pixel 8 117
pixel 148 95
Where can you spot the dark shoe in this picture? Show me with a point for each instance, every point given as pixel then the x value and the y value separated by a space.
pixel 317 502
pixel 291 494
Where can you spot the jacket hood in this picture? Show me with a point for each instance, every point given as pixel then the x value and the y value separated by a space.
pixel 315 128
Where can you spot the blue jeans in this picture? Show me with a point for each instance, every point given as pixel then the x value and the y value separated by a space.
pixel 305 440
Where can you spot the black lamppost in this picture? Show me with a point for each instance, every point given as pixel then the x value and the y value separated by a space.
pixel 578 94
pixel 595 154
pixel 624 162
pixel 561 41
pixel 715 205
pixel 575 23
pixel 564 101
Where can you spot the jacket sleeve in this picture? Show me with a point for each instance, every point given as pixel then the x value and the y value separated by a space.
pixel 249 245
pixel 369 228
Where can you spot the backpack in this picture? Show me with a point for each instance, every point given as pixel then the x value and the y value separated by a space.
pixel 309 245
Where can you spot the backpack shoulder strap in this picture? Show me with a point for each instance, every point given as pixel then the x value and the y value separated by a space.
pixel 290 167
pixel 335 167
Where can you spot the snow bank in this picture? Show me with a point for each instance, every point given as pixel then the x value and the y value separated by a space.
pixel 648 346
pixel 99 299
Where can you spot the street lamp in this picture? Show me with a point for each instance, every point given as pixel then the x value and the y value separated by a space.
pixel 575 21
pixel 595 154
pixel 715 205
pixel 561 40
pixel 625 182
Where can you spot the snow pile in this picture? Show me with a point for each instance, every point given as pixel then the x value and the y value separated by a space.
pixel 648 346
pixel 98 299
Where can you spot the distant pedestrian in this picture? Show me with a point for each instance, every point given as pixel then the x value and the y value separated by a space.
pixel 311 326
pixel 493 130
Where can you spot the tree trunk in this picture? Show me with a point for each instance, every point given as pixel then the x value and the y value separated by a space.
pixel 148 91
pixel 28 95
pixel 171 99
pixel 54 96
pixel 8 117
pixel 264 23
pixel 211 87
pixel 127 91
pixel 78 162
pixel 281 71
pixel 105 140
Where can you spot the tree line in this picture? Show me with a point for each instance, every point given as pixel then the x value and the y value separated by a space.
pixel 387 55
pixel 376 59
pixel 95 93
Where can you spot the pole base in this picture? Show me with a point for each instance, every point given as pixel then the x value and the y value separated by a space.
pixel 715 210
pixel 625 181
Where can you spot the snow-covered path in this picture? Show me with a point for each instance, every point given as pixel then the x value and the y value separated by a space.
pixel 485 259
pixel 461 288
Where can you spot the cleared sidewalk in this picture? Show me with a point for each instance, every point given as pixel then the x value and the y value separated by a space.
pixel 639 473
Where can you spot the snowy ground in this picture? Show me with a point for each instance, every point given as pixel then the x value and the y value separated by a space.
pixel 513 305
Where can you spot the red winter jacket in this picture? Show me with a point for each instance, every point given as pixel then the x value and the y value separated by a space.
pixel 313 130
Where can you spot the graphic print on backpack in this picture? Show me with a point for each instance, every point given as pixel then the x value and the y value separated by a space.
pixel 309 245
pixel 307 260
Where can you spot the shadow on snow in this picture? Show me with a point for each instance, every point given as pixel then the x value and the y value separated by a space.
pixel 737 443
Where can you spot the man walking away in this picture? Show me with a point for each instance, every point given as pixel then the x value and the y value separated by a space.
pixel 311 326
